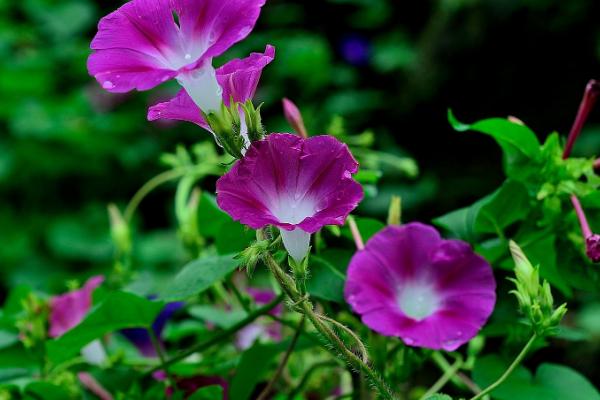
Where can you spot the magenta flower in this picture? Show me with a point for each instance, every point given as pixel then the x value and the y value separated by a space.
pixel 296 184
pixel 147 42
pixel 411 283
pixel 237 79
pixel 67 310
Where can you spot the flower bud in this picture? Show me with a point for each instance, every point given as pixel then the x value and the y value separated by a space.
pixel 256 130
pixel 395 211
pixel 226 125
pixel 250 256
pixel 592 244
pixel 119 230
pixel 294 117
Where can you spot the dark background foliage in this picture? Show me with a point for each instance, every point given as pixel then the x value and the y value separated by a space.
pixel 67 148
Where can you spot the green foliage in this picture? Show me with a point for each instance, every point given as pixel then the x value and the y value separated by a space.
pixel 551 381
pixel 116 311
pixel 198 276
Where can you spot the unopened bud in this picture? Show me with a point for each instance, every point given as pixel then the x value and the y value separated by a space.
pixel 225 125
pixel 256 130
pixel 395 211
pixel 119 230
pixel 250 256
pixel 526 274
pixel 592 247
pixel 294 117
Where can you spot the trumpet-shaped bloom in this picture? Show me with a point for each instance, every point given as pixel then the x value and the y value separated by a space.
pixel 237 79
pixel 67 310
pixel 147 42
pixel 411 283
pixel 296 184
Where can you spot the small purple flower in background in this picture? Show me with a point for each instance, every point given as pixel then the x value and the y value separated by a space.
pixel 141 338
pixel 356 50
pixel 67 310
pixel 248 335
pixel 147 42
pixel 296 184
pixel 411 283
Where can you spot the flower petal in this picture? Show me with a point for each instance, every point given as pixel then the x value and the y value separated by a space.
pixel 218 24
pixel 239 77
pixel 123 70
pixel 180 107
pixel 67 310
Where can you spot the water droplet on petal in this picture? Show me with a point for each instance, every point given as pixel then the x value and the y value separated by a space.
pixel 409 341
pixel 108 85
pixel 188 56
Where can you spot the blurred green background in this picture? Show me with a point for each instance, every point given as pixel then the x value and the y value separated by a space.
pixel 68 148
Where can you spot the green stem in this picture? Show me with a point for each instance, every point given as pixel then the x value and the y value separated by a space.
pixel 302 305
pixel 148 187
pixel 510 369
pixel 222 336
pixel 440 383
pixel 267 390
pixel 161 356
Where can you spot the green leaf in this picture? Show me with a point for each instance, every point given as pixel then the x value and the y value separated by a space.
pixel 46 391
pixel 198 276
pixel 210 216
pixel 212 392
pixel 117 311
pixel 325 281
pixel 253 366
pixel 566 383
pixel 551 381
pixel 221 318
pixel 461 223
pixel 518 386
pixel 506 206
pixel 511 136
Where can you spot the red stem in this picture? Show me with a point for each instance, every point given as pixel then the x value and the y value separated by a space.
pixel 585 226
pixel 592 90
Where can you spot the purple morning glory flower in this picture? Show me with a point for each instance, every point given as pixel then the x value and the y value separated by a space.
pixel 237 79
pixel 147 42
pixel 411 283
pixel 67 310
pixel 296 184
pixel 140 336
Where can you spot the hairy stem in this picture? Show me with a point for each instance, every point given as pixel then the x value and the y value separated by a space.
pixel 302 305
pixel 161 356
pixel 509 371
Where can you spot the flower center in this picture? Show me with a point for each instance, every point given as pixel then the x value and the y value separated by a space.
pixel 292 211
pixel 202 86
pixel 418 300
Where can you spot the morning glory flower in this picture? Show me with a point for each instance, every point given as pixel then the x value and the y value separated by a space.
pixel 68 310
pixel 147 42
pixel 411 283
pixel 296 184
